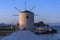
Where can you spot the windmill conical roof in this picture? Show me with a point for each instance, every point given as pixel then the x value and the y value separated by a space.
pixel 26 11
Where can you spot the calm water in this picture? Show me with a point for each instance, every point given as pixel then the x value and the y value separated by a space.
pixel 55 36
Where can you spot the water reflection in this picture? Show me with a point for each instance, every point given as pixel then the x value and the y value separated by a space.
pixel 49 36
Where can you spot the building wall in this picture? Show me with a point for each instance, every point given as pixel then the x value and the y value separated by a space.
pixel 26 20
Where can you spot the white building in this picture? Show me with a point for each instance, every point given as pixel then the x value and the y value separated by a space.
pixel 26 20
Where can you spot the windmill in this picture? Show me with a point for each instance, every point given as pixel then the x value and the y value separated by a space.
pixel 26 18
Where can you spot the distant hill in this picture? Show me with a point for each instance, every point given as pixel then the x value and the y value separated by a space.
pixel 41 23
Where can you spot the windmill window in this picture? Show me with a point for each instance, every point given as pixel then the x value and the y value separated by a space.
pixel 27 17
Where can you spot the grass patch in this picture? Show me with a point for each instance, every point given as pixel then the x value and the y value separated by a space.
pixel 5 33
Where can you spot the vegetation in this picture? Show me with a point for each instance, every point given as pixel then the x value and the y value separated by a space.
pixel 5 33
pixel 40 24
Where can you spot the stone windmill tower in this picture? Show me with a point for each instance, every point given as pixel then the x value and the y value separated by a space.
pixel 26 19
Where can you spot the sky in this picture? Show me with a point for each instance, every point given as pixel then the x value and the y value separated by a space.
pixel 47 11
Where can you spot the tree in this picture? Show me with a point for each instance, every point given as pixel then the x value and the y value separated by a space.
pixel 40 24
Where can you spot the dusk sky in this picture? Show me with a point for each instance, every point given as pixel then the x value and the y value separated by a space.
pixel 47 10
